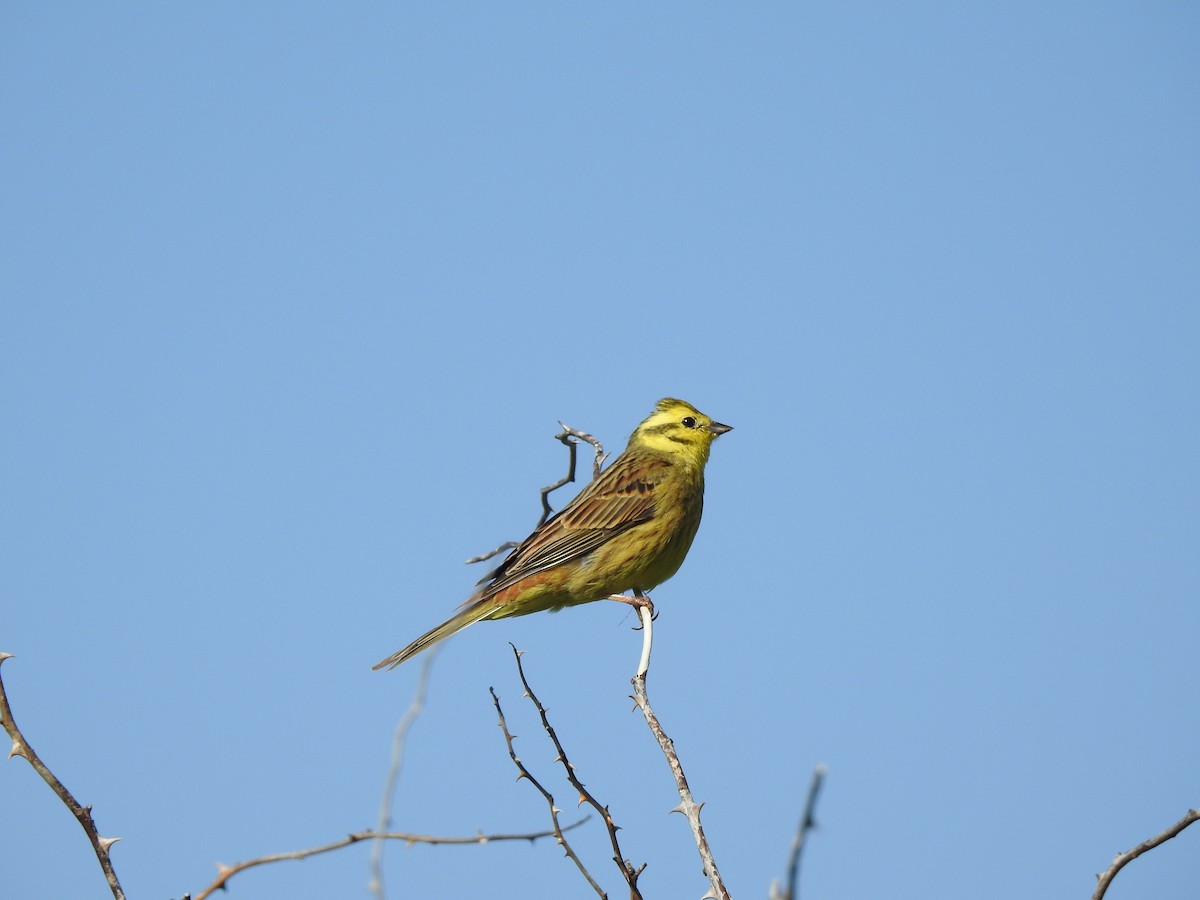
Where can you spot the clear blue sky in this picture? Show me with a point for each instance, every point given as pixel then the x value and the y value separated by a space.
pixel 295 294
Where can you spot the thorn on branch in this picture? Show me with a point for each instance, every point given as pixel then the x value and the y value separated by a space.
pixel 687 805
pixel 627 871
pixel 546 795
pixel 82 814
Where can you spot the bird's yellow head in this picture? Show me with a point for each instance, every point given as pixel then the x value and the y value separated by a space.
pixel 679 430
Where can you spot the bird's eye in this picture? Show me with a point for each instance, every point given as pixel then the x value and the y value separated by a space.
pixel 689 421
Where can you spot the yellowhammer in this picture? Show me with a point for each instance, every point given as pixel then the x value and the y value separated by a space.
pixel 628 530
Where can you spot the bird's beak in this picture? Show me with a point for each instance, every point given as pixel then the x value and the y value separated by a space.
pixel 717 428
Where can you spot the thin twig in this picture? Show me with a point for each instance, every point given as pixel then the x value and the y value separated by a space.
pixel 227 872
pixel 507 545
pixel 807 823
pixel 687 805
pixel 565 436
pixel 628 872
pixel 600 455
pixel 554 810
pixel 375 886
pixel 1106 877
pixel 21 748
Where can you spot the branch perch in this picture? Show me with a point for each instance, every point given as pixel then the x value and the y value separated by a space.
pixel 21 748
pixel 687 805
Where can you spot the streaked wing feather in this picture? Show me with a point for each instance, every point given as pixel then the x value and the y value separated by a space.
pixel 622 497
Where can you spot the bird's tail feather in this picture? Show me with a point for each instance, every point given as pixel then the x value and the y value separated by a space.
pixel 469 616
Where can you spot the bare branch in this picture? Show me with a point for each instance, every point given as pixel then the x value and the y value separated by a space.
pixel 227 872
pixel 687 805
pixel 566 436
pixel 807 823
pixel 1106 877
pixel 598 460
pixel 375 886
pixel 554 810
pixel 628 872
pixel 21 748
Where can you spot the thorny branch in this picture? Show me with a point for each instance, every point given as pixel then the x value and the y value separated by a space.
pixel 21 748
pixel 375 886
pixel 628 872
pixel 554 810
pixel 687 805
pixel 807 823
pixel 1105 878
pixel 567 436
pixel 227 872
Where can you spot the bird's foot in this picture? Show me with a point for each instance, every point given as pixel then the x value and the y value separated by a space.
pixel 637 601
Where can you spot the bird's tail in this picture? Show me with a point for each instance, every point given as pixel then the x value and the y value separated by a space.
pixel 469 616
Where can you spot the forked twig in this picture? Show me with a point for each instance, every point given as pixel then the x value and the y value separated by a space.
pixel 807 823
pixel 628 872
pixel 375 886
pixel 597 447
pixel 1105 878
pixel 227 872
pixel 554 810
pixel 567 436
pixel 687 805
pixel 21 748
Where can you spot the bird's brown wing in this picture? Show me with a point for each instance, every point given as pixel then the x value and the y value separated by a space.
pixel 623 496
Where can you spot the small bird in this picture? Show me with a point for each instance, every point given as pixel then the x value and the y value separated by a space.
pixel 628 530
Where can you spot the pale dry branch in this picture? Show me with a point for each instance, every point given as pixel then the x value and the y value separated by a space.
pixel 807 823
pixel 1104 879
pixel 554 810
pixel 687 804
pixel 598 448
pixel 21 748
pixel 628 872
pixel 375 886
pixel 227 872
